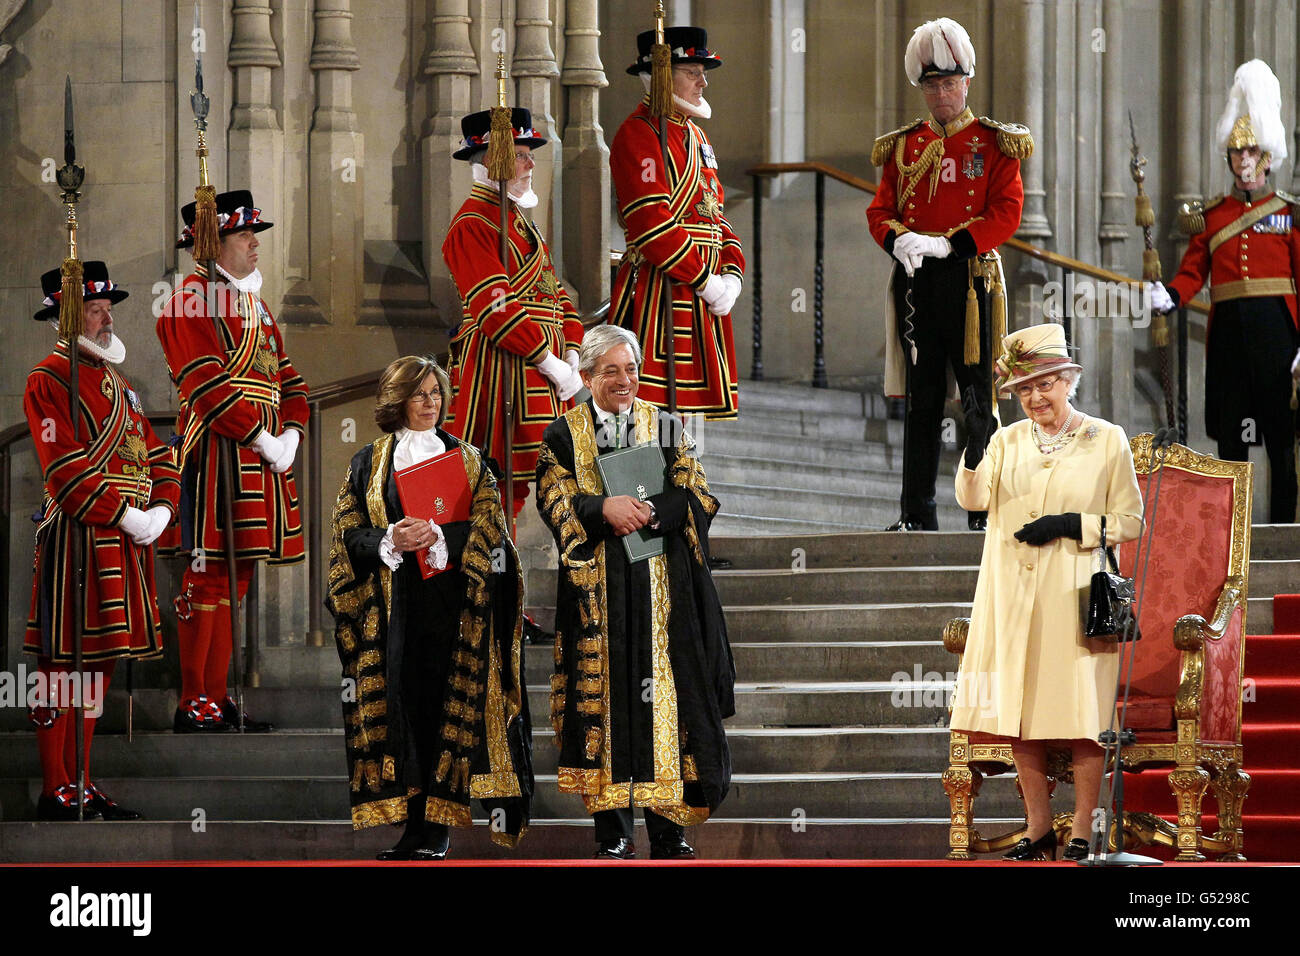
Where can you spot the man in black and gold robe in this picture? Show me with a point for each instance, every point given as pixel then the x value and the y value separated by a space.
pixel 644 674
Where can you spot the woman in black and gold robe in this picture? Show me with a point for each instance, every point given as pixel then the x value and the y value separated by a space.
pixel 435 710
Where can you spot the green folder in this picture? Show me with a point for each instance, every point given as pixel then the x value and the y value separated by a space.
pixel 637 471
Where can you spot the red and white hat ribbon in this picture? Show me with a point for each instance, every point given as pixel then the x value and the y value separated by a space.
pixel 229 221
pixel 92 289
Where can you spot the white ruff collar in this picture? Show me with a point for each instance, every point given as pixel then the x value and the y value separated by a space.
pixel 113 355
pixel 527 201
pixel 703 111
pixel 414 447
pixel 251 283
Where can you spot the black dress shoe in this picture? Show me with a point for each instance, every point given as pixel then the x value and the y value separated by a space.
pixel 230 714
pixel 198 715
pixel 1038 849
pixel 620 849
pixel 62 806
pixel 977 522
pixel 106 806
pixel 719 564
pixel 905 524
pixel 534 633
pixel 671 848
pixel 1075 850
pixel 397 852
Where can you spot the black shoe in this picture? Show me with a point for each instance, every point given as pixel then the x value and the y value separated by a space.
pixel 671 848
pixel 905 524
pixel 405 848
pixel 435 848
pixel 1038 849
pixel 198 715
pixel 534 633
pixel 977 522
pixel 106 806
pixel 719 564
pixel 1075 850
pixel 620 849
pixel 62 807
pixel 230 714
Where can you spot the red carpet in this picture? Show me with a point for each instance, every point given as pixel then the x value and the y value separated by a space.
pixel 1271 742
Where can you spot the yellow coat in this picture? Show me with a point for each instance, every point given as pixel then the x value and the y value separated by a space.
pixel 1028 671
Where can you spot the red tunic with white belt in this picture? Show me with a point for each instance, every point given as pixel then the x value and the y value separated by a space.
pixel 674 224
pixel 234 388
pixel 518 317
pixel 118 462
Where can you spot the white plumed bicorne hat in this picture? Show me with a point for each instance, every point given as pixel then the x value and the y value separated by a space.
pixel 939 48
pixel 1253 115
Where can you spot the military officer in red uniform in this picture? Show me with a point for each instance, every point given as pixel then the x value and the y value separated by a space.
pixel 674 223
pixel 117 480
pixel 950 193
pixel 1247 245
pixel 517 316
pixel 241 386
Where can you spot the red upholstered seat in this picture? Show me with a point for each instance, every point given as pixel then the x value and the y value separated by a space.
pixel 1185 700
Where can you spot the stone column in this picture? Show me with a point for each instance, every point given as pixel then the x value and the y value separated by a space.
pixel 1033 220
pixel 336 149
pixel 255 138
pixel 585 161
pixel 534 70
pixel 451 63
pixel 785 94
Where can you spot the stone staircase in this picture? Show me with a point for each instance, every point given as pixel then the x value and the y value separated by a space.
pixel 839 739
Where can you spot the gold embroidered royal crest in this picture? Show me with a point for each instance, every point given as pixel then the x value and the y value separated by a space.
pixel 548 285
pixel 266 362
pixel 709 207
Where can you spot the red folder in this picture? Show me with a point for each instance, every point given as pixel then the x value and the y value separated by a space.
pixel 435 490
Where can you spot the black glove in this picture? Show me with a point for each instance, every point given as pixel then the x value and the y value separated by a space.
pixel 1050 527
pixel 977 428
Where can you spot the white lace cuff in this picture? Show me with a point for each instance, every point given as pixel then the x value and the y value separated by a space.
pixel 437 556
pixel 388 553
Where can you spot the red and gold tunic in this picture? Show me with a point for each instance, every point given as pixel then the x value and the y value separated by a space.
pixel 118 462
pixel 235 388
pixel 1245 248
pixel 522 317
pixel 674 225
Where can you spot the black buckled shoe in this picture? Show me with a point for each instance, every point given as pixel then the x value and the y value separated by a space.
pixel 106 806
pixel 198 715
pixel 230 714
pixel 905 524
pixel 1041 849
pixel 62 806
pixel 671 848
pixel 436 846
pixel 1075 850
pixel 620 849
pixel 719 564
pixel 977 522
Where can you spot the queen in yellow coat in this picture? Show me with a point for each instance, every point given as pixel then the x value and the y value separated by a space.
pixel 1028 672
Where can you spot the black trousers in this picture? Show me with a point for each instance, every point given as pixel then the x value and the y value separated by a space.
pixel 937 327
pixel 612 824
pixel 1248 391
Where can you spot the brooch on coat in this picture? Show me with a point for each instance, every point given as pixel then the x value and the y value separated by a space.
pixel 1090 432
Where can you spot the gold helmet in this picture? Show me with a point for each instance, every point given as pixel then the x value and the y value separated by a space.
pixel 1253 114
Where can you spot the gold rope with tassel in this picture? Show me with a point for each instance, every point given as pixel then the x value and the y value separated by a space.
pixel 1143 215
pixel 661 69
pixel 972 318
pixel 71 322
pixel 207 232
pixel 500 160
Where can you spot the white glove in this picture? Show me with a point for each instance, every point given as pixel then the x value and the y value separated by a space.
pixel 269 447
pixel 289 439
pixel 729 297
pixel 137 525
pixel 937 246
pixel 1160 299
pixel 160 516
pixel 1295 366
pixel 571 356
pixel 561 374
pixel 905 252
pixel 713 291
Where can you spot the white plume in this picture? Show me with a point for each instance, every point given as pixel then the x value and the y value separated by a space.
pixel 943 43
pixel 1257 93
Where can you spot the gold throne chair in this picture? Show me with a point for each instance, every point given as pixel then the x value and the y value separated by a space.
pixel 1185 702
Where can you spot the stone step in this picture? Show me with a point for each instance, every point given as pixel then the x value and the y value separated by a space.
pixel 848 585
pixel 839 453
pixel 765 472
pixel 784 501
pixel 780 795
pixel 1275 541
pixel 794 422
pixel 877 549
pixel 547 839
pixel 765 396
pixel 320 753
pixel 729 523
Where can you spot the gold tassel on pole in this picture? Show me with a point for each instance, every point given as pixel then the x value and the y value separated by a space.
pixel 207 234
pixel 71 322
pixel 1142 213
pixel 972 325
pixel 661 69
pixel 500 159
pixel 1151 265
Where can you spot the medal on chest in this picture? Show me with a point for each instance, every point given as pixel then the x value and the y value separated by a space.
pixel 707 157
pixel 1277 224
pixel 266 361
pixel 972 161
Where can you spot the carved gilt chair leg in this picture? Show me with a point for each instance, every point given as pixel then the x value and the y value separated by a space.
pixel 1230 784
pixel 961 784
pixel 1189 785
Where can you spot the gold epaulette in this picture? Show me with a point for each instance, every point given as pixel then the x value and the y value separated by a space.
pixel 1013 139
pixel 1191 215
pixel 884 145
pixel 1293 200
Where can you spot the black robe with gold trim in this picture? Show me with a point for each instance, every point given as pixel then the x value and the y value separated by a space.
pixel 643 670
pixel 439 705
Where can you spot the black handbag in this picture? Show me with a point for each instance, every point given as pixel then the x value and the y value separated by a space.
pixel 1110 601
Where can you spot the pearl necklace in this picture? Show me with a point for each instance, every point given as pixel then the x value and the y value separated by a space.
pixel 1058 441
